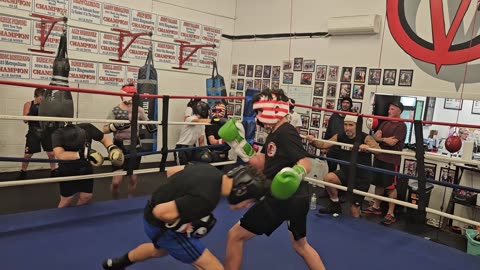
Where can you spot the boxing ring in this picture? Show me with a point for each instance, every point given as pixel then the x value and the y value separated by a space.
pixel 81 237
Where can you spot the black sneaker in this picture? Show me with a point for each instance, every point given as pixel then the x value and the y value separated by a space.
pixel 112 264
pixel 22 175
pixel 332 208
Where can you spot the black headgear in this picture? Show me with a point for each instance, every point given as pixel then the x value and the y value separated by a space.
pixel 201 108
pixel 245 186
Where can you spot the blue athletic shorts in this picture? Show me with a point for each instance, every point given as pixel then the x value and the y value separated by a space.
pixel 179 245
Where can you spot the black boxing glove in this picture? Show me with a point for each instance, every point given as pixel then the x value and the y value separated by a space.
pixel 197 229
pixel 118 126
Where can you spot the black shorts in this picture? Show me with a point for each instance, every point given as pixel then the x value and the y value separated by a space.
pixel 269 213
pixel 69 188
pixel 386 181
pixel 126 165
pixel 36 139
pixel 362 183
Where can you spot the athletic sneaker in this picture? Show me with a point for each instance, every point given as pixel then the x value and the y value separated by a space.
pixel 388 219
pixel 112 264
pixel 332 208
pixel 372 210
pixel 22 175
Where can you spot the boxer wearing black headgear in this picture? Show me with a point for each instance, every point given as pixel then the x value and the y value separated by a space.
pixel 179 213
pixel 202 109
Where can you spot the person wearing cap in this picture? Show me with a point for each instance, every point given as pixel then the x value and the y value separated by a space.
pixel 335 126
pixel 295 119
pixel 391 136
pixel 122 139
pixel 363 177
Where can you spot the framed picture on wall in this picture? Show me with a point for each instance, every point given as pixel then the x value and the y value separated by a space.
pixel 447 175
pixel 315 120
pixel 258 71
pixel 356 107
pixel 267 71
pixel 318 89
pixel 374 76
pixel 233 84
pixel 234 70
pixel 330 104
pixel 287 78
pixel 297 64
pixel 346 74
pixel 358 90
pixel 276 73
pixel 240 84
pixel 321 73
pixel 410 167
pixel 476 107
pixel 453 104
pixel 275 84
pixel 326 118
pixel 405 77
pixel 287 65
pixel 331 90
pixel 360 74
pixel 305 120
pixel 241 70
pixel 389 76
pixel 248 84
pixel 333 73
pixel 430 170
pixel 250 70
pixel 429 108
pixel 306 79
pixel 308 65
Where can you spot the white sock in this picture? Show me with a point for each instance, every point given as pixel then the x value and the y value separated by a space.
pixel 335 200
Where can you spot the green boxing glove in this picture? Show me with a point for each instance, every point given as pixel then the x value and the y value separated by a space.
pixel 233 133
pixel 286 182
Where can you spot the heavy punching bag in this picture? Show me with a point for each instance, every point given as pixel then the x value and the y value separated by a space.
pixel 58 103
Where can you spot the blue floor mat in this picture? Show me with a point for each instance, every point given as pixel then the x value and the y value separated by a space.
pixel 343 243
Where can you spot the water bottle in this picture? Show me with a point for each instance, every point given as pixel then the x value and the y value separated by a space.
pixel 313 202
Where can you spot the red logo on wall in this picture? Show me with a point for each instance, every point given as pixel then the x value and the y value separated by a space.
pixel 441 51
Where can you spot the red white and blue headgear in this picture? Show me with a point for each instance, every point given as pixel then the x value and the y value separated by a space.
pixel 271 106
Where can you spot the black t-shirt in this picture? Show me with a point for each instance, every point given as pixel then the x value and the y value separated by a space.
pixel 75 137
pixel 344 152
pixel 196 191
pixel 213 130
pixel 283 148
pixel 33 112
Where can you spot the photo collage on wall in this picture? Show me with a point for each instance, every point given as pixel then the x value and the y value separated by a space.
pixel 330 83
pixel 247 76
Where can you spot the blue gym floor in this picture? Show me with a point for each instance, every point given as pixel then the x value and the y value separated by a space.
pixel 80 238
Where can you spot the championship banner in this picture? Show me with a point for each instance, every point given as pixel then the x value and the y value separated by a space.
pixel 211 35
pixel 109 44
pixel 54 37
pixel 42 67
pixel 14 66
pixel 115 16
pixel 83 72
pixel 15 30
pixel 55 8
pixel 17 4
pixel 139 49
pixel 206 58
pixel 109 74
pixel 165 52
pixel 83 40
pixel 168 27
pixel 143 21
pixel 88 11
pixel 191 32
pixel 148 84
pixel 132 74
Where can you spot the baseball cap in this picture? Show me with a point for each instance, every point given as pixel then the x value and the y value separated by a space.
pixel 397 104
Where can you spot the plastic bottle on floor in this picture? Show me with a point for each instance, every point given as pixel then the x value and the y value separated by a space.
pixel 313 202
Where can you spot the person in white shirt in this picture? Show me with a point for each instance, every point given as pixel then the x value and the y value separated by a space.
pixel 192 135
pixel 295 119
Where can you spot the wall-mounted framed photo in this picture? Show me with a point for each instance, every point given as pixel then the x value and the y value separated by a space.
pixel 476 107
pixel 453 104
pixel 429 108
pixel 374 76
pixel 405 77
pixel 389 76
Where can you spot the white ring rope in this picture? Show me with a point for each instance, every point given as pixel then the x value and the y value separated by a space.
pixel 89 176
pixel 386 199
pixel 89 120
pixel 408 154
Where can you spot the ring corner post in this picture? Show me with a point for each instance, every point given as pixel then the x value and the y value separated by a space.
pixel 164 151
pixel 134 133
pixel 419 219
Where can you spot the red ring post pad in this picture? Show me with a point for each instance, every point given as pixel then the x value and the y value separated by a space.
pixel 123 34
pixel 44 33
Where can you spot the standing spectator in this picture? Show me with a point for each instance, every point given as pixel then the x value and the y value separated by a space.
pixel 295 119
pixel 36 138
pixel 122 139
pixel 391 136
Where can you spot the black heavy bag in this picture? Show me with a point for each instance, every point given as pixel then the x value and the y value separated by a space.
pixel 216 86
pixel 148 84
pixel 58 103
